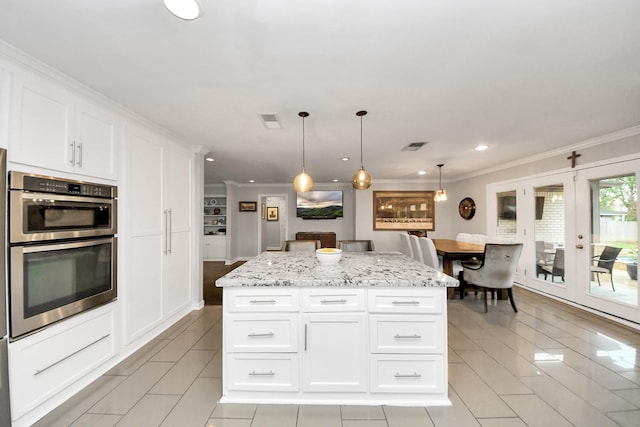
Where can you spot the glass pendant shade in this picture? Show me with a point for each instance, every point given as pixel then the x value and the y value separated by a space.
pixel 303 182
pixel 361 179
pixel 441 195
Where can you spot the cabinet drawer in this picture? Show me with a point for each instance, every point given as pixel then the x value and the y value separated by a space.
pixel 43 367
pixel 262 333
pixel 260 300
pixel 333 300
pixel 406 334
pixel 423 300
pixel 407 374
pixel 272 372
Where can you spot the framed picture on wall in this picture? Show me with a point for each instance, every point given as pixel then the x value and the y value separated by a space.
pixel 404 210
pixel 248 206
pixel 272 214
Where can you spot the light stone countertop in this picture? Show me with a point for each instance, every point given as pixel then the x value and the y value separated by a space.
pixel 302 269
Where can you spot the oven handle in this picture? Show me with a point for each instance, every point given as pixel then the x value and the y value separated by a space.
pixel 51 196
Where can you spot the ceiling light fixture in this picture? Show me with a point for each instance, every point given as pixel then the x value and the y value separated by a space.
pixel 481 147
pixel 361 179
pixel 183 9
pixel 303 182
pixel 441 195
pixel 422 172
pixel 209 159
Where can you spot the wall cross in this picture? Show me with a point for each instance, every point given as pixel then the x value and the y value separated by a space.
pixel 573 158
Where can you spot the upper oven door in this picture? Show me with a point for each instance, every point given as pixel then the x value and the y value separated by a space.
pixel 43 216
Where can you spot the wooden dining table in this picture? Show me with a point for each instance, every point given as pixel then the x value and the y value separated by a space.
pixel 451 250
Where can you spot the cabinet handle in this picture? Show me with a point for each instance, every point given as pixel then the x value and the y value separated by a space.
pixel 414 375
pixel 73 153
pixel 79 163
pixel 333 301
pixel 406 303
pixel 264 374
pixel 39 371
pixel 169 230
pixel 268 334
pixel 262 301
pixel 414 336
pixel 305 337
pixel 166 234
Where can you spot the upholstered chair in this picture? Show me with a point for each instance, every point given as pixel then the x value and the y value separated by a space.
pixel 429 254
pixel 356 245
pixel 301 245
pixel 415 248
pixel 405 245
pixel 496 271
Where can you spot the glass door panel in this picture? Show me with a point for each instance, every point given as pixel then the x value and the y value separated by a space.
pixel 549 232
pixel 614 239
pixel 506 225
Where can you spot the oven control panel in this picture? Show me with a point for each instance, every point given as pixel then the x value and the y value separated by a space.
pixel 46 184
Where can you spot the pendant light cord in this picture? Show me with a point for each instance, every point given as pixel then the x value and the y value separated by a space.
pixel 361 161
pixel 302 143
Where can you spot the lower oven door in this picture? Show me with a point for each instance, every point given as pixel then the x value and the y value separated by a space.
pixel 52 281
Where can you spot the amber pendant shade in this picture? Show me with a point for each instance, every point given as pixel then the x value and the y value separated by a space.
pixel 361 179
pixel 303 182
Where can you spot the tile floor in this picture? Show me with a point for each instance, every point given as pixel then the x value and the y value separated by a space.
pixel 548 365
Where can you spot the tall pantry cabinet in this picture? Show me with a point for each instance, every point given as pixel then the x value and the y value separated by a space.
pixel 158 186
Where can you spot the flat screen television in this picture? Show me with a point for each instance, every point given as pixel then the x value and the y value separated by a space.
pixel 321 204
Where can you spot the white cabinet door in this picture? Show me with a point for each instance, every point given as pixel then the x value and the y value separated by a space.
pixel 41 127
pixel 334 351
pixel 52 128
pixel 159 253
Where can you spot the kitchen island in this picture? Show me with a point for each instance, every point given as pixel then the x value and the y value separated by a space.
pixel 371 330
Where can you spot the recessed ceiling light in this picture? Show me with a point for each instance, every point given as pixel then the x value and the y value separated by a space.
pixel 210 159
pixel 252 180
pixel 345 159
pixel 422 172
pixel 481 147
pixel 336 180
pixel 183 9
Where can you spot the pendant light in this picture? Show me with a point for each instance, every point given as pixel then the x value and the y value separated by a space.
pixel 303 182
pixel 441 195
pixel 361 179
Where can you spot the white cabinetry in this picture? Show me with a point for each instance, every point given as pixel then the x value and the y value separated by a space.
pixel 50 127
pixel 353 345
pixel 45 363
pixel 157 188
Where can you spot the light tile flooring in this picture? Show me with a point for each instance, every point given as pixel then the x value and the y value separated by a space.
pixel 548 365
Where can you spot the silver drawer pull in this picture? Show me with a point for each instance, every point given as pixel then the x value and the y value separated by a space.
pixel 406 302
pixel 268 334
pixel 262 301
pixel 333 301
pixel 39 371
pixel 414 336
pixel 414 375
pixel 261 374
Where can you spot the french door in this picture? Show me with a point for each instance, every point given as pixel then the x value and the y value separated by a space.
pixel 580 231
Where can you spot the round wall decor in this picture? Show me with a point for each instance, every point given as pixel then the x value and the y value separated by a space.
pixel 467 208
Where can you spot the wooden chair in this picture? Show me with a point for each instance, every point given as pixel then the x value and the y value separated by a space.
pixel 356 245
pixel 605 262
pixel 496 271
pixel 301 245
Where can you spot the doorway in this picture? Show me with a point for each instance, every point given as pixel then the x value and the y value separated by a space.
pixel 273 222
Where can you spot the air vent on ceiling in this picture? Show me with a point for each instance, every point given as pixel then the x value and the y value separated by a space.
pixel 270 121
pixel 414 146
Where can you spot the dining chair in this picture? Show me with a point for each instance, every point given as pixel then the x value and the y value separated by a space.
pixel 557 268
pixel 429 254
pixel 543 256
pixel 464 237
pixel 405 245
pixel 356 245
pixel 605 262
pixel 415 248
pixel 496 271
pixel 301 245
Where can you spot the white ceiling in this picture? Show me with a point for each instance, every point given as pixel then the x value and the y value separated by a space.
pixel 524 77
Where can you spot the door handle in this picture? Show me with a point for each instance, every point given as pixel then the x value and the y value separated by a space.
pixel 579 246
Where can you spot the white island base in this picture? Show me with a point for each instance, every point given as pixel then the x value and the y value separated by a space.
pixel 335 345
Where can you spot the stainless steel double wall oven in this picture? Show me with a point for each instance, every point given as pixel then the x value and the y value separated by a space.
pixel 62 249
